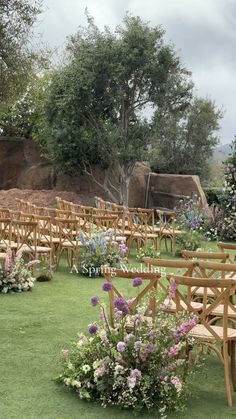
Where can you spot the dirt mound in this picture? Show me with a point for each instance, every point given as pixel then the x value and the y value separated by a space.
pixel 41 198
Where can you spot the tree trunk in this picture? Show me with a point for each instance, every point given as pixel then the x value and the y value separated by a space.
pixel 124 190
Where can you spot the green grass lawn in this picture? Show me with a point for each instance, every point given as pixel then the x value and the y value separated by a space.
pixel 35 326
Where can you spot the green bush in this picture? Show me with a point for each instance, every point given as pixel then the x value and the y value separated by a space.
pixel 213 195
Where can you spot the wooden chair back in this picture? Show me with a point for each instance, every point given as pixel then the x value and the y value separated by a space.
pixel 4 213
pixel 152 278
pixel 44 229
pixel 224 247
pixel 221 256
pixel 26 236
pixel 223 289
pixel 166 223
pixel 68 232
pixel 217 270
pixel 5 233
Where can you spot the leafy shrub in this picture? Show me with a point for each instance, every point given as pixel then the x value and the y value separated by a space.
pixel 147 251
pixel 16 275
pixel 190 240
pixel 214 196
pixel 142 369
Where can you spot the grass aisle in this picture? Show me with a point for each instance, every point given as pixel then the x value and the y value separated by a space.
pixel 35 326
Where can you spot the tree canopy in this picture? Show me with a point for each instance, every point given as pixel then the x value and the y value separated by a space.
pixel 17 58
pixel 97 101
pixel 184 140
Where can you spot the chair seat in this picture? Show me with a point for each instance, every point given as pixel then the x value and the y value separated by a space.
pixel 39 249
pixel 166 232
pixel 219 311
pixel 120 238
pixel 200 292
pixel 46 239
pixel 171 306
pixel 7 244
pixel 201 332
pixel 71 244
pixel 230 276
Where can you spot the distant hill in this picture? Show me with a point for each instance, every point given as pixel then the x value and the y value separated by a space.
pixel 221 153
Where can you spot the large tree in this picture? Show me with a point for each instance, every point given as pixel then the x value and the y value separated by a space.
pixel 17 58
pixel 98 99
pixel 184 139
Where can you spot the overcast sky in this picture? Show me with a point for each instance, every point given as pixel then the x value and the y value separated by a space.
pixel 203 31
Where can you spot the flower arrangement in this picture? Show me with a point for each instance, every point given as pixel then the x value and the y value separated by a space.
pixel 100 249
pixel 43 270
pixel 190 240
pixel 142 368
pixel 16 275
pixel 147 251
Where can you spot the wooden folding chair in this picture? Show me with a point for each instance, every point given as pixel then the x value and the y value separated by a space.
pixel 166 228
pixel 141 229
pixel 151 287
pixel 68 232
pixel 208 334
pixel 26 237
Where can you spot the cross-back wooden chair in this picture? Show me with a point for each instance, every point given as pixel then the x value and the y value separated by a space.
pixel 166 228
pixel 106 222
pixel 152 278
pixel 5 233
pixel 85 223
pixel 227 247
pixel 68 233
pixel 59 203
pixel 208 334
pixel 25 233
pixel 141 229
pixel 45 242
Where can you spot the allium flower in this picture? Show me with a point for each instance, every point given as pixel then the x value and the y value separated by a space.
pixel 128 337
pixel 137 282
pixel 136 373
pixel 120 303
pixel 92 328
pixel 107 286
pixel 121 346
pixel 94 300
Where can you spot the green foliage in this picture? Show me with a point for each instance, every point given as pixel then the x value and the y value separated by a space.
pixel 97 99
pixel 147 251
pixel 186 138
pixel 190 240
pixel 213 195
pixel 17 57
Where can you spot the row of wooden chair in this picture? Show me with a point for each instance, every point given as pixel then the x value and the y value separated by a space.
pixel 197 275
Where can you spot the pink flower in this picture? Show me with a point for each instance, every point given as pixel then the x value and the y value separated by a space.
pixel 173 351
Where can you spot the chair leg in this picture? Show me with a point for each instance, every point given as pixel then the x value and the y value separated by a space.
pixel 226 371
pixel 233 363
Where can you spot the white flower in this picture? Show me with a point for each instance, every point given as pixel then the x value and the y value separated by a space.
pixel 76 383
pixel 67 381
pixel 86 368
pixel 70 366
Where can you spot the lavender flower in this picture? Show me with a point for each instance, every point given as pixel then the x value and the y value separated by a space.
pixel 137 282
pixel 121 346
pixel 107 286
pixel 94 300
pixel 150 348
pixel 92 329
pixel 137 345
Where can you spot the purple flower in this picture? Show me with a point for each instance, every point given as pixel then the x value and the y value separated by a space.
pixel 136 373
pixel 150 348
pixel 120 303
pixel 129 337
pixel 107 286
pixel 92 329
pixel 94 300
pixel 137 282
pixel 121 346
pixel 173 351
pixel 185 327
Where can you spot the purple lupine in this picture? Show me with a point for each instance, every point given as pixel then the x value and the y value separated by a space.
pixel 137 282
pixel 107 286
pixel 94 300
pixel 92 329
pixel 121 346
